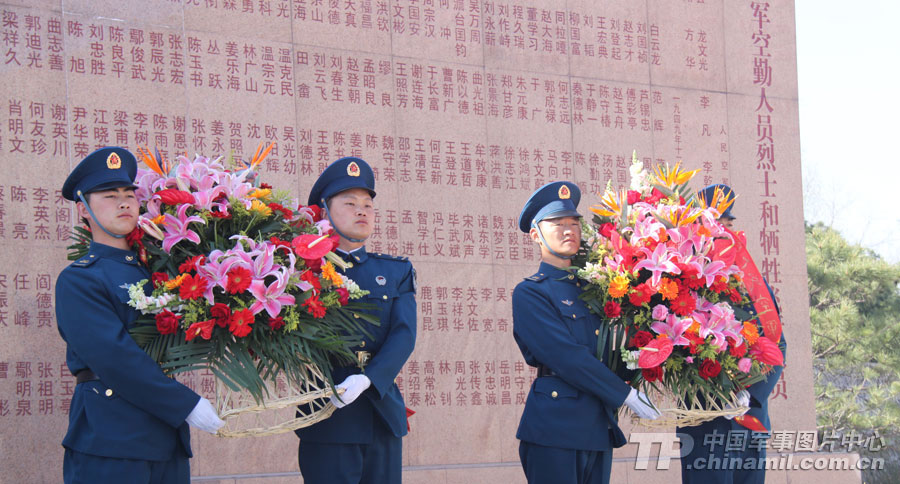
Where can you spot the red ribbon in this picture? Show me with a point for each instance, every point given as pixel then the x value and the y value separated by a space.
pixel 756 286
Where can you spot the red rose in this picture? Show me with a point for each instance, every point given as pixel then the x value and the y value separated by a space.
pixel 709 369
pixel 633 197
pixel 641 294
pixel 192 287
pixel 652 374
pixel 239 323
pixel 239 280
pixel 167 322
pixel 343 295
pixel 158 278
pixel 612 309
pixel 276 323
pixel 173 196
pixel 640 339
pixel 606 229
pixel 684 304
pixel 221 313
pixel 654 197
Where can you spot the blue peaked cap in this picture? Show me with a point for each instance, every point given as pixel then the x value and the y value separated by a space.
pixel 343 174
pixel 106 168
pixel 553 200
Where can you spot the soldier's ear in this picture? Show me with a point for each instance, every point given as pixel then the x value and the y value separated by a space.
pixel 534 235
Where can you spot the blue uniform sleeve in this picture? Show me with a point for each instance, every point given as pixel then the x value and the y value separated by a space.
pixel 94 331
pixel 537 327
pixel 400 340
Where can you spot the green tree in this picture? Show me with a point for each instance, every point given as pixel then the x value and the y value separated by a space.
pixel 854 304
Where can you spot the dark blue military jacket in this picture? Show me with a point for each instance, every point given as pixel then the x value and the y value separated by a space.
pixel 576 407
pixel 391 284
pixel 134 411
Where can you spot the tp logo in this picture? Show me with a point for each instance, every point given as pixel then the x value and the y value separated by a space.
pixel 669 447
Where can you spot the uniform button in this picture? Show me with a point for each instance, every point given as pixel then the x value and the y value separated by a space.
pixel 128 258
pixel 574 317
pixel 554 394
pixel 356 315
pixel 384 297
pixel 109 392
pixel 92 255
pixel 571 277
pixel 597 332
pixel 362 344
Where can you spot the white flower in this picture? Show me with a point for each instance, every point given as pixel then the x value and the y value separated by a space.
pixel 631 359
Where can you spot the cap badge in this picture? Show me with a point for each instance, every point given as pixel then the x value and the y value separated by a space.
pixel 113 162
pixel 380 280
pixel 567 302
pixel 353 169
pixel 564 192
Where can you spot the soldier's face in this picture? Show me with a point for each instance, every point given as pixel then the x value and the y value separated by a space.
pixel 563 235
pixel 117 209
pixel 353 212
pixel 727 222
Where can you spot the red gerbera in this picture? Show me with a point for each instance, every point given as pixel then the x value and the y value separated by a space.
pixel 190 264
pixel 684 304
pixel 641 294
pixel 314 306
pixel 720 284
pixel 695 342
pixel 239 323
pixel 735 295
pixel 737 351
pixel 221 313
pixel 239 280
pixel 276 323
pixel 192 287
pixel 311 278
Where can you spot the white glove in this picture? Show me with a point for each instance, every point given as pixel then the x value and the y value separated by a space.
pixel 204 417
pixel 353 387
pixel 742 400
pixel 641 406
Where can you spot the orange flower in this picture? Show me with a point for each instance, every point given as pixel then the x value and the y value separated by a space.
pixel 330 274
pixel 175 283
pixel 618 287
pixel 668 288
pixel 750 332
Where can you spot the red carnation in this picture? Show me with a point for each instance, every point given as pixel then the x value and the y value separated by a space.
pixel 737 351
pixel 173 196
pixel 311 278
pixel 633 197
pixel 735 296
pixel 652 374
pixel 203 328
pixel 167 322
pixel 221 313
pixel 640 339
pixel 158 278
pixel 343 295
pixel 606 229
pixel 222 215
pixel 190 264
pixel 684 304
pixel 239 280
pixel 276 323
pixel 314 306
pixel 192 287
pixel 239 323
pixel 134 237
pixel 695 341
pixel 720 284
pixel 280 243
pixel 641 294
pixel 612 309
pixel 709 369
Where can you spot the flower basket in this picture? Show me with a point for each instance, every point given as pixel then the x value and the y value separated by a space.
pixel 661 269
pixel 243 284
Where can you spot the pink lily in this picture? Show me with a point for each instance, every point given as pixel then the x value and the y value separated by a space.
pixel 271 298
pixel 657 262
pixel 674 327
pixel 710 271
pixel 177 228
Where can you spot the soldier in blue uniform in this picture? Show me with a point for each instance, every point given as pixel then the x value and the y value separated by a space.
pixel 128 421
pixel 569 427
pixel 361 442
pixel 723 440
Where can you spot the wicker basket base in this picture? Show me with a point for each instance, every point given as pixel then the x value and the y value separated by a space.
pixel 278 413
pixel 678 413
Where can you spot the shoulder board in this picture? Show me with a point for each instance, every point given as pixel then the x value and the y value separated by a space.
pixel 381 255
pixel 537 277
pixel 85 261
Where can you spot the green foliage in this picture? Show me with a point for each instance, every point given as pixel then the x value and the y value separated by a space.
pixel 855 320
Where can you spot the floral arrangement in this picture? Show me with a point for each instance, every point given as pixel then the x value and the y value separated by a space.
pixel 661 269
pixel 244 281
